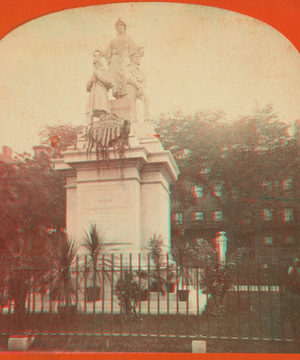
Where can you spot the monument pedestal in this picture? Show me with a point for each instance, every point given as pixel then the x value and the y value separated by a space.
pixel 127 198
pixel 121 108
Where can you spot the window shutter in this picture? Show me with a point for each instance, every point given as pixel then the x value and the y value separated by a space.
pixel 274 216
pixel 295 214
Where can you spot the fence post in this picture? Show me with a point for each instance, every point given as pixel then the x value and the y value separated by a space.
pixel 198 346
pixel 221 246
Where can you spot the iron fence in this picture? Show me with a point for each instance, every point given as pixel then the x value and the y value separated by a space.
pixel 248 302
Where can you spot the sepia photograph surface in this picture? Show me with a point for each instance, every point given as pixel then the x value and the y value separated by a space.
pixel 149 182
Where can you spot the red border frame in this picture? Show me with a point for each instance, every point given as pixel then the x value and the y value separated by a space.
pixel 283 15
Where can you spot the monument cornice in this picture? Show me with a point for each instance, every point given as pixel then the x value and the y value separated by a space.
pixel 78 160
pixel 163 170
pixel 109 180
pixel 164 162
pixel 153 182
pixel 137 163
pixel 70 187
pixel 108 164
pixel 72 157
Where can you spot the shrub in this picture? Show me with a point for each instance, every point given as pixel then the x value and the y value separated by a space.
pixel 128 291
pixel 217 277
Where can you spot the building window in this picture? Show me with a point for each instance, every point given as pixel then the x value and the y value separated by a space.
pixel 287 240
pixel 177 218
pixel 267 214
pixel 216 215
pixel 197 191
pixel 266 188
pixel 288 215
pixel 218 190
pixel 197 215
pixel 267 240
pixel 287 185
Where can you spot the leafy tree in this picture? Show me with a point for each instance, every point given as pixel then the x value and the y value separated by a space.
pixel 32 194
pixel 236 156
pixel 60 136
pixel 32 199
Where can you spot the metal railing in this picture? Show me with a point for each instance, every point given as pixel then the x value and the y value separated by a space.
pixel 249 303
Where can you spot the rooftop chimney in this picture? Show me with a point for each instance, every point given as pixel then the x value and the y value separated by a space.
pixel 7 151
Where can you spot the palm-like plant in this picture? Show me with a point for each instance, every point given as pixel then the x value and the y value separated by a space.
pixel 182 253
pixel 98 267
pixel 155 245
pixel 17 281
pixel 19 269
pixel 63 281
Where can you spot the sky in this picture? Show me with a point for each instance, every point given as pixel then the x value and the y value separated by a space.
pixel 196 58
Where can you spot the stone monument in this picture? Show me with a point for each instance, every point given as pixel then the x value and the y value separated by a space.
pixel 118 174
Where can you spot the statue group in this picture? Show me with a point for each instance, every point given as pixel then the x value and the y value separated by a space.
pixel 124 77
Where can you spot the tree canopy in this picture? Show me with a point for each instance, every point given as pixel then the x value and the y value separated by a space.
pixel 32 199
pixel 60 136
pixel 32 194
pixel 236 157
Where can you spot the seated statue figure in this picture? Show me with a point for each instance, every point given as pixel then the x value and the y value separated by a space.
pixel 98 87
pixel 136 83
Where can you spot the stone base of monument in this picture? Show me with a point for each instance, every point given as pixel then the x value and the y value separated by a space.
pixel 20 342
pixel 127 198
